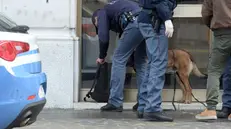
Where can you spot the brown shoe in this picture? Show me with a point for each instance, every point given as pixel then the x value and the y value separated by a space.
pixel 207 115
pixel 229 117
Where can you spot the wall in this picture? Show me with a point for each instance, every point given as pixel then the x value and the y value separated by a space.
pixel 53 23
pixel 188 10
pixel 57 54
pixel 40 13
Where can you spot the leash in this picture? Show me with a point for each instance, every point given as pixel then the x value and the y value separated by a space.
pixel 174 91
pixel 191 93
pixel 174 78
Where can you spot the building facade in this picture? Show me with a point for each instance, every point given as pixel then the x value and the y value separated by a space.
pixel 69 45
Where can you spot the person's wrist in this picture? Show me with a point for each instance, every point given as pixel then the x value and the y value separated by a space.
pixel 102 56
pixel 168 21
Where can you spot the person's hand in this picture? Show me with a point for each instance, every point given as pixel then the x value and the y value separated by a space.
pixel 100 61
pixel 168 28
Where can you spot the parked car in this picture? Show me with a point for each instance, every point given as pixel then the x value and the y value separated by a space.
pixel 22 83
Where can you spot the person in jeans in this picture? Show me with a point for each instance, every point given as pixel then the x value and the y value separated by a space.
pixel 120 16
pixel 216 14
pixel 155 26
pixel 226 97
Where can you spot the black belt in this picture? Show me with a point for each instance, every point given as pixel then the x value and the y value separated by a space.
pixel 126 17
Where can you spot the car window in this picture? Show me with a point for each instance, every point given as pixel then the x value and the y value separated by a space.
pixel 6 23
pixel 3 29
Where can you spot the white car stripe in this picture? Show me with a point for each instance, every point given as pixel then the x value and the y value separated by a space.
pixel 33 47
pixel 26 59
pixel 10 70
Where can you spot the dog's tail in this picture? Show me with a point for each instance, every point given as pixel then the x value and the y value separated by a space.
pixel 197 72
pixel 195 69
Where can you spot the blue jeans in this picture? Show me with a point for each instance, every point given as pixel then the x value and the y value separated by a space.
pixel 226 97
pixel 157 51
pixel 130 40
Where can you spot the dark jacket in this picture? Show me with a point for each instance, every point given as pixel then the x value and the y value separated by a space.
pixel 108 20
pixel 163 8
pixel 216 14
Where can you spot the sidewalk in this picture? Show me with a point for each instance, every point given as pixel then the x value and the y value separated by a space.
pixel 94 119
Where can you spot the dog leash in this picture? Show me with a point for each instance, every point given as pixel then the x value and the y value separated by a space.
pixel 174 91
pixel 191 93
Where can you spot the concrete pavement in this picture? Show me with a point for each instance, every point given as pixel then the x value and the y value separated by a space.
pixel 94 119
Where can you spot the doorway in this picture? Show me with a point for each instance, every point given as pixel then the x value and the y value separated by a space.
pixel 190 34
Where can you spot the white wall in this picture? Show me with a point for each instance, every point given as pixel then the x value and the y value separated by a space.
pixel 53 24
pixel 57 54
pixel 38 13
pixel 188 10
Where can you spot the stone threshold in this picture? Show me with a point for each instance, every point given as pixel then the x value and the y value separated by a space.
pixel 128 106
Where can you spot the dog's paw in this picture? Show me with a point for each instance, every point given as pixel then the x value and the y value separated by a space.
pixel 181 101
pixel 187 102
pixel 184 101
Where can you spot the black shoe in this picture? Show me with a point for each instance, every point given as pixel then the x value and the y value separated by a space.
pixel 140 115
pixel 157 116
pixel 135 107
pixel 112 108
pixel 224 113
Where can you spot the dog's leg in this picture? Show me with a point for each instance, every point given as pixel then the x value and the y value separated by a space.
pixel 182 100
pixel 188 97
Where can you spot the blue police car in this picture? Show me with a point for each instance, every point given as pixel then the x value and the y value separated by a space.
pixel 22 82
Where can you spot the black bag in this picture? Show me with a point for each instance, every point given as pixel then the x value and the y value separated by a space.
pixel 100 85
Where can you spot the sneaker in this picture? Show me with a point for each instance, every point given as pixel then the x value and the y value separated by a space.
pixel 112 108
pixel 207 115
pixel 229 117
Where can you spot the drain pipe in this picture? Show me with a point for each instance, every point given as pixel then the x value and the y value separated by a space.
pixel 77 68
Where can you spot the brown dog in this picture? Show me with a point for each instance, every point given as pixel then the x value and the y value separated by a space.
pixel 183 62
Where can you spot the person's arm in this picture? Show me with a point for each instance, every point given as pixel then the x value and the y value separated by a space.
pixel 164 8
pixel 207 12
pixel 103 33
